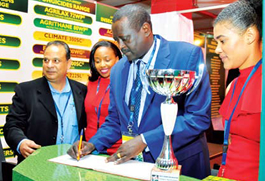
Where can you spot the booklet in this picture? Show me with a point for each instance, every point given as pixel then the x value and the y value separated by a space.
pixel 132 168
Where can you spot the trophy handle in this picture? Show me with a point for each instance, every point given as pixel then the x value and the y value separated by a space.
pixel 199 77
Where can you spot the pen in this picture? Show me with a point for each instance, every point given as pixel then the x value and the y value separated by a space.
pixel 80 144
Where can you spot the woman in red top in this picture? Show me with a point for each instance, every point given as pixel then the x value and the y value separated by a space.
pixel 238 32
pixel 103 56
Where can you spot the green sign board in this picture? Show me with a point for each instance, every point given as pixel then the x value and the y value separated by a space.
pixel 105 13
pixel 10 18
pixel 17 5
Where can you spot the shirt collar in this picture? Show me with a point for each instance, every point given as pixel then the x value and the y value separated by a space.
pixel 66 88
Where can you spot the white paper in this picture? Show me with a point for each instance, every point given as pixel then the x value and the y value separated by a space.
pixel 132 168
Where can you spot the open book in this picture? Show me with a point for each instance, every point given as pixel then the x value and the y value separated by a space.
pixel 132 168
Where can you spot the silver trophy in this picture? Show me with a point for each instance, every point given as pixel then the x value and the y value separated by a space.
pixel 171 82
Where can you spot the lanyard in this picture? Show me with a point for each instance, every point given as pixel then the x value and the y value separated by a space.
pixel 228 123
pixel 98 111
pixel 98 85
pixel 133 92
pixel 61 115
pixel 151 57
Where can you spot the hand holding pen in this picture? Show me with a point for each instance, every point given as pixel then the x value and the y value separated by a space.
pixel 80 148
pixel 80 144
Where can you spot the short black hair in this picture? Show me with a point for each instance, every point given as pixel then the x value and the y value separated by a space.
pixel 57 43
pixel 242 14
pixel 93 69
pixel 135 14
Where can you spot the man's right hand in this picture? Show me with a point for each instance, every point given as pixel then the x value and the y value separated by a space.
pixel 27 147
pixel 86 149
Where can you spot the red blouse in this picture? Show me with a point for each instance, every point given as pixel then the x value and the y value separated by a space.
pixel 242 161
pixel 92 102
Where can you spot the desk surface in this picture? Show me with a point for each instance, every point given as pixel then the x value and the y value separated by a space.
pixel 37 167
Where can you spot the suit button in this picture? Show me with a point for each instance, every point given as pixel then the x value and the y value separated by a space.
pixel 56 121
pixel 54 137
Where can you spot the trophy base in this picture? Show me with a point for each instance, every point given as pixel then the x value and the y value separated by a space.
pixel 165 175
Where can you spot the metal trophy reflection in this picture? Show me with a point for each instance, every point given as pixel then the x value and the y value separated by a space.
pixel 171 82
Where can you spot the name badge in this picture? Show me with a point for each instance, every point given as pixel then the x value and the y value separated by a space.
pixel 126 136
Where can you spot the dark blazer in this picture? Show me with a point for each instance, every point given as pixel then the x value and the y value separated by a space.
pixel 188 138
pixel 33 115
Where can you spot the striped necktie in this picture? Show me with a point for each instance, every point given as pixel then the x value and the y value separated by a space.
pixel 135 97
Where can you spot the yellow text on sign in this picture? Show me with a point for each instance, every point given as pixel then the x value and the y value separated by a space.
pixel 2 40
pixel 43 36
pixel 4 109
pixel 80 77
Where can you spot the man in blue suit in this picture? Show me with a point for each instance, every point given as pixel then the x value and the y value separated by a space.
pixel 132 29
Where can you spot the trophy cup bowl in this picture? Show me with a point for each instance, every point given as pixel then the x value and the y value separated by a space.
pixel 171 82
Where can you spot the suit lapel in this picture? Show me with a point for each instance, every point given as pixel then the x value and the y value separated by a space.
pixel 45 96
pixel 162 62
pixel 123 82
pixel 78 99
pixel 162 59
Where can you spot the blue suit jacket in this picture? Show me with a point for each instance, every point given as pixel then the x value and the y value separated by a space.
pixel 188 140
